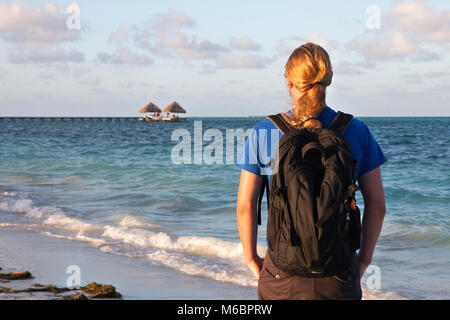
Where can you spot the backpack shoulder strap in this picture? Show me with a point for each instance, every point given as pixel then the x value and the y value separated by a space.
pixel 280 123
pixel 340 122
pixel 265 186
pixel 284 127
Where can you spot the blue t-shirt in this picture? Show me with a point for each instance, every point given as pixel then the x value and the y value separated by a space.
pixel 264 138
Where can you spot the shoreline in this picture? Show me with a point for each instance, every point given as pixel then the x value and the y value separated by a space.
pixel 48 259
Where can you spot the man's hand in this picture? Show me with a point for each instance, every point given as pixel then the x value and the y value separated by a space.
pixel 255 266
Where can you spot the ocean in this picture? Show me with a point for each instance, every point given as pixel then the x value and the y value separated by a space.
pixel 117 187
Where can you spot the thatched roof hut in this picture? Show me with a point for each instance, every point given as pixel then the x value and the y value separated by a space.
pixel 151 107
pixel 174 107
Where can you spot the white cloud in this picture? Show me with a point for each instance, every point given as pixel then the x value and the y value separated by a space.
pixel 163 22
pixel 425 56
pixel 178 45
pixel 325 43
pixel 208 69
pixel 410 25
pixel 436 74
pixel 3 73
pixel 242 61
pixel 392 45
pixel 190 47
pixel 162 36
pixel 144 37
pixel 127 84
pixel 119 36
pixel 244 44
pixel 418 78
pixel 422 20
pixel 47 74
pixel 37 33
pixel 287 45
pixel 349 68
pixel 20 23
pixel 125 56
pixel 99 90
pixel 412 78
pixel 90 80
pixel 46 55
pixel 78 72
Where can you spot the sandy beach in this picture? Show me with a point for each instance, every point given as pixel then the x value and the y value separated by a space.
pixel 47 259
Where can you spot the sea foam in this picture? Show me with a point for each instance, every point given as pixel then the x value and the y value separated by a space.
pixel 194 255
pixel 206 246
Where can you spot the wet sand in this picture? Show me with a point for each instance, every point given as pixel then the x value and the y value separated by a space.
pixel 48 259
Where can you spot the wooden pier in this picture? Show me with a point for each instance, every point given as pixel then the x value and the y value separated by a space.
pixel 161 119
pixel 88 119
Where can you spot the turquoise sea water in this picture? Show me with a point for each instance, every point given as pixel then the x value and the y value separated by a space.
pixel 114 186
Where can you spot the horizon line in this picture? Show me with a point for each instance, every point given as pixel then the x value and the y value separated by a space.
pixel 249 117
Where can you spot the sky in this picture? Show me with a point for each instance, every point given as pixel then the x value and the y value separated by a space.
pixel 220 58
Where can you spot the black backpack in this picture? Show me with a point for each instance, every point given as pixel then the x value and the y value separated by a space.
pixel 314 226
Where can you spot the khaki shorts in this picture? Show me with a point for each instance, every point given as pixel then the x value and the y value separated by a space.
pixel 274 284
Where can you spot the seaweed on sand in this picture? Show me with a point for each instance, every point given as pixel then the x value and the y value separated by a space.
pixel 93 290
pixel 96 290
pixel 16 275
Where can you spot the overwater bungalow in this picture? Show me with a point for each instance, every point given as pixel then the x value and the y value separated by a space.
pixel 170 113
pixel 153 112
pixel 173 111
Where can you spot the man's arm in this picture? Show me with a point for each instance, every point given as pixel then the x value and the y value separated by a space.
pixel 249 189
pixel 371 186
